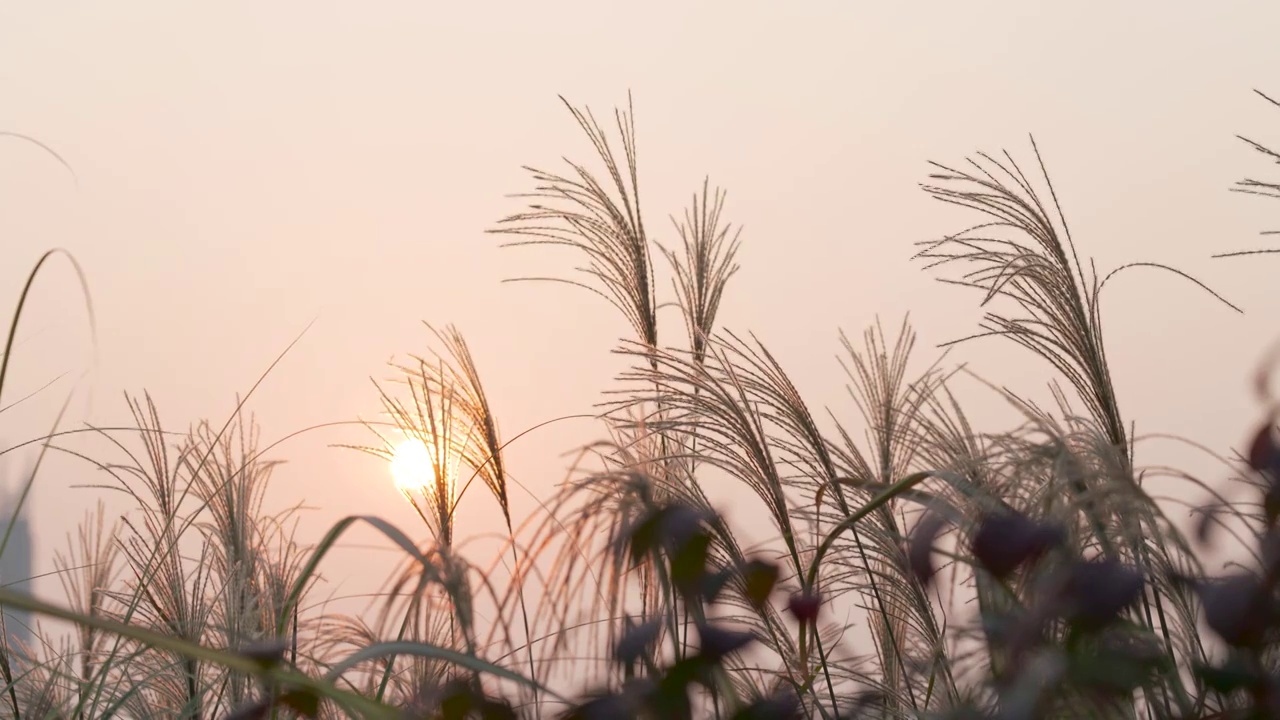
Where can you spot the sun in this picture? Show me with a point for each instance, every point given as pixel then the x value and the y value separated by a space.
pixel 411 465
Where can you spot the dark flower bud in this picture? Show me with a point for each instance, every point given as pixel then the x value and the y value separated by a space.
pixel 1006 540
pixel 717 642
pixel 1263 454
pixel 1271 501
pixel 1239 608
pixel 680 524
pixel 1269 549
pixel 804 606
pixel 669 528
pixel 758 579
pixel 1094 593
pixel 603 707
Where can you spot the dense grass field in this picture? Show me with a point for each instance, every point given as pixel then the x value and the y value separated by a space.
pixel 918 566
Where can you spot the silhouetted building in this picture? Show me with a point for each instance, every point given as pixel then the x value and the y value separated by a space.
pixel 16 562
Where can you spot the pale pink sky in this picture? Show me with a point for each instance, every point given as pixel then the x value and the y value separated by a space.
pixel 245 167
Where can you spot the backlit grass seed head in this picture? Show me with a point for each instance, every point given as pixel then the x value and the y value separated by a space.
pixel 435 440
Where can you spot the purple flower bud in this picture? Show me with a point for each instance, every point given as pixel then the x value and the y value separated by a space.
pixel 1006 540
pixel 804 606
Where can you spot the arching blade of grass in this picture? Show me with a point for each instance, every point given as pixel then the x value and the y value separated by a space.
pixel 4 371
pixel 326 544
pixel 460 659
pixel 12 337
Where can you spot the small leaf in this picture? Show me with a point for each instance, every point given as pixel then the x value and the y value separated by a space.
pixel 636 642
pixel 1269 549
pixel 1271 501
pixel 1122 664
pixel 714 583
pixel 1206 522
pixel 717 642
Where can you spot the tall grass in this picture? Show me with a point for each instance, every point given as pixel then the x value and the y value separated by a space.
pixel 915 565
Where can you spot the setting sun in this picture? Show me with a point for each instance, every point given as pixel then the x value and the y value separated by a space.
pixel 411 465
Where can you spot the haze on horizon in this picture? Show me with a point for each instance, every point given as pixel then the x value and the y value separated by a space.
pixel 243 169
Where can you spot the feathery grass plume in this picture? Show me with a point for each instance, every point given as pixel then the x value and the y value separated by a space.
pixel 252 552
pixel 1022 254
pixel 750 424
pixel 87 571
pixel 701 275
pixel 164 592
pixel 46 688
pixel 1265 188
pixel 1261 187
pixel 908 634
pixel 455 373
pixel 451 418
pixel 431 419
pixel 600 219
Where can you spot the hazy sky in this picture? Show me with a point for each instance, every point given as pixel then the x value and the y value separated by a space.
pixel 245 167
